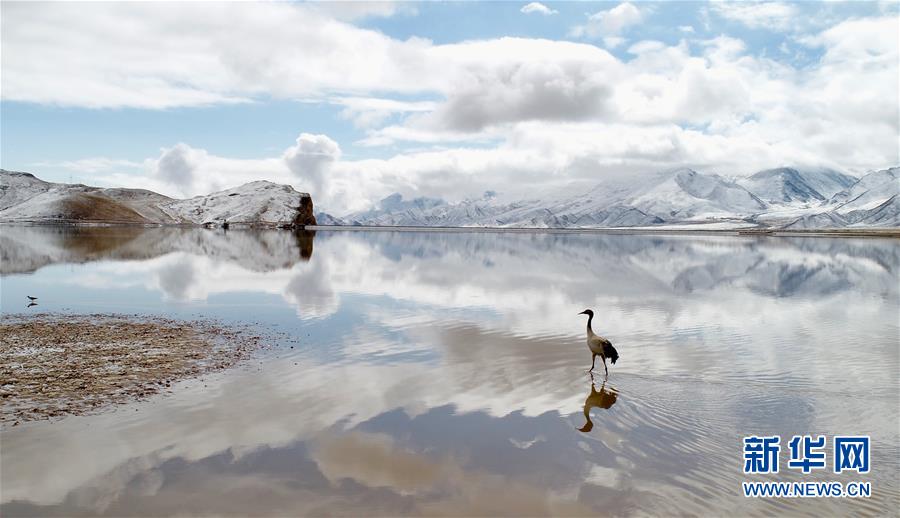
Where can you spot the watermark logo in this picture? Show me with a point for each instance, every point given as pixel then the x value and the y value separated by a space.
pixel 807 453
pixel 761 454
pixel 851 454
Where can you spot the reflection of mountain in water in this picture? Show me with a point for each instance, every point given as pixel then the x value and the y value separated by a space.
pixel 777 267
pixel 417 264
pixel 27 248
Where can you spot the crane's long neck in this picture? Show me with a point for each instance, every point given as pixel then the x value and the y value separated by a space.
pixel 590 331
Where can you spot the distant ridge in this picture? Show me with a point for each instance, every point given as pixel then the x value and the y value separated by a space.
pixel 785 197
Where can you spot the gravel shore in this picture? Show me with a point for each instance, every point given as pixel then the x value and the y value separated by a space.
pixel 51 366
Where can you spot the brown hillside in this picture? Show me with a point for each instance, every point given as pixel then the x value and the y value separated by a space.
pixel 93 207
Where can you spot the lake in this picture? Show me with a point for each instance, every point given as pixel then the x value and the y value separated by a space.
pixel 446 372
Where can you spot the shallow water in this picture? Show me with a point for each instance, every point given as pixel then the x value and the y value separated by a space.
pixel 445 373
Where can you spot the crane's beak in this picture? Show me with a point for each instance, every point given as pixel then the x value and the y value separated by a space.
pixel 583 313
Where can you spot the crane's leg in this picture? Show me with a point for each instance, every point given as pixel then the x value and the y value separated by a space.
pixel 604 365
pixel 593 359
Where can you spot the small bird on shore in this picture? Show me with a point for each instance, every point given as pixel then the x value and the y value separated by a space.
pixel 598 345
pixel 31 298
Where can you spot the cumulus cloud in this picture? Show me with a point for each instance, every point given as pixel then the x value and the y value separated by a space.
pixel 311 157
pixel 537 7
pixel 609 23
pixel 525 91
pixel 176 166
pixel 507 80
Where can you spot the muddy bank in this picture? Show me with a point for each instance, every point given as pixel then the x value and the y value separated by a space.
pixel 51 366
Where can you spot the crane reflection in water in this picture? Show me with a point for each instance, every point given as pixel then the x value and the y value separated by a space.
pixel 603 398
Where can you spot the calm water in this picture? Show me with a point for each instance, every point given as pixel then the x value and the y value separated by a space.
pixel 444 373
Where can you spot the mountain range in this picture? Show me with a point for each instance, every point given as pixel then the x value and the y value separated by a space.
pixel 26 198
pixel 791 198
pixel 775 198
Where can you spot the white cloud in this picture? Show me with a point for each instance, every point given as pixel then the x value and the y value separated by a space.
pixel 93 165
pixel 686 28
pixel 367 112
pixel 609 23
pixel 757 15
pixel 143 56
pixel 856 80
pixel 176 166
pixel 537 7
pixel 525 113
pixel 367 9
pixel 520 91
pixel 311 157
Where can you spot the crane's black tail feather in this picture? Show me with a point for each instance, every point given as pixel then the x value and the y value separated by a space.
pixel 610 352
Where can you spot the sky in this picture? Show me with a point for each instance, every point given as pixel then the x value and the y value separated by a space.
pixel 354 101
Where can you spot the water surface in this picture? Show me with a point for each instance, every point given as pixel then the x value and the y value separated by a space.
pixel 445 373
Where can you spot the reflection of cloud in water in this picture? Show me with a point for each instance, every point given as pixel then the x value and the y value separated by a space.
pixel 186 277
pixel 649 292
pixel 176 279
pixel 311 292
pixel 482 394
pixel 458 430
pixel 375 461
pixel 349 474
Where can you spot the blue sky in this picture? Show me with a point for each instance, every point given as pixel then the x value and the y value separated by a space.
pixel 354 101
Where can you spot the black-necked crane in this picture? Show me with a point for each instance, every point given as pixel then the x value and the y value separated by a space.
pixel 32 299
pixel 598 345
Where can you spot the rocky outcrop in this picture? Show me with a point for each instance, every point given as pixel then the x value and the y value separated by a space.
pixel 305 213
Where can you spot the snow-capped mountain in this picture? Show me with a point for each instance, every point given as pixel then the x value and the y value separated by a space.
pixel 25 198
pixel 686 195
pixel 868 192
pixel 788 185
pixel 871 201
pixel 784 197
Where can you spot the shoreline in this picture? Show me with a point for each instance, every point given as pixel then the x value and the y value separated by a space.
pixel 856 232
pixel 54 365
pixel 238 225
pixel 888 232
